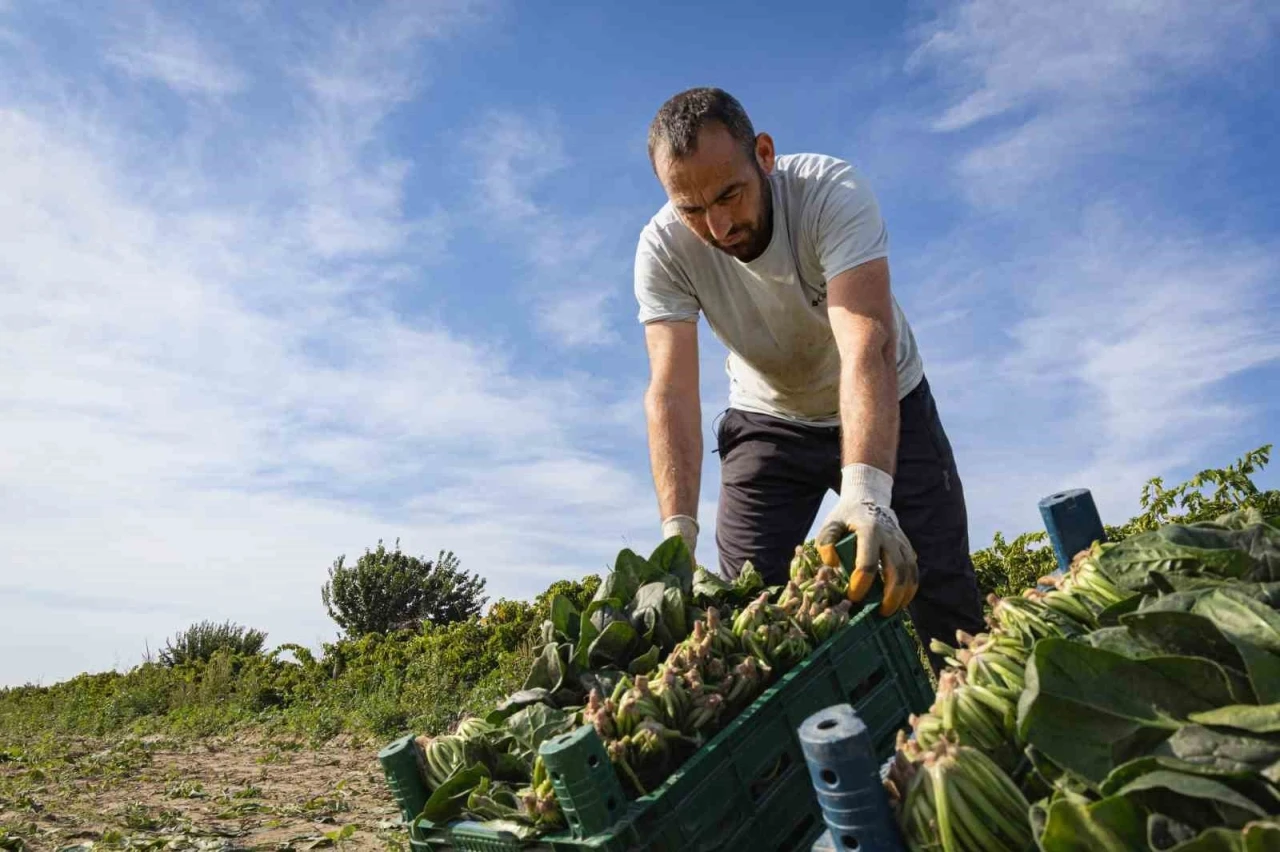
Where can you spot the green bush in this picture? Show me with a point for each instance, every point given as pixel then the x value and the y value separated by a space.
pixel 1008 567
pixel 389 590
pixel 201 641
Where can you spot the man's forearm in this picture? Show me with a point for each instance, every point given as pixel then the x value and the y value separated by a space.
pixel 869 408
pixel 675 450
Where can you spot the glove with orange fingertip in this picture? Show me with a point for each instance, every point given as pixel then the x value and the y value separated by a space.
pixel 882 547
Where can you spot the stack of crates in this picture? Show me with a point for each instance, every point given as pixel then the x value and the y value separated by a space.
pixel 747 789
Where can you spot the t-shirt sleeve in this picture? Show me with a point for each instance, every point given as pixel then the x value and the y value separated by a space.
pixel 845 224
pixel 662 290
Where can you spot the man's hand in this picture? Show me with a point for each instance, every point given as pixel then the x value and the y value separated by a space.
pixel 863 508
pixel 685 527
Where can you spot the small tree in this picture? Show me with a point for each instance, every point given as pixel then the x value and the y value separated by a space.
pixel 201 641
pixel 389 590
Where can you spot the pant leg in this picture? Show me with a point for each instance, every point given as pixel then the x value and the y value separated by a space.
pixel 773 476
pixel 928 499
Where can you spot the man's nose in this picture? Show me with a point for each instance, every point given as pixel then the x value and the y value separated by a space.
pixel 719 222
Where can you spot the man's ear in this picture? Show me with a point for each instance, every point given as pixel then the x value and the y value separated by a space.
pixel 765 152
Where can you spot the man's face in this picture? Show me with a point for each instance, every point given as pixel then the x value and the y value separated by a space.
pixel 722 192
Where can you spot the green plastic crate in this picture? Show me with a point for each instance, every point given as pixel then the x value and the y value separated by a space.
pixel 748 788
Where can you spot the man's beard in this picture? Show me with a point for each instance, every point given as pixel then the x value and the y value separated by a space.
pixel 759 236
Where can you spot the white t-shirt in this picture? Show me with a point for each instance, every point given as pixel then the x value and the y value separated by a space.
pixel 771 314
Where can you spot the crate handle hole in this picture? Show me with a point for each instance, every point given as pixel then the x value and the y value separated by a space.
pixel 830 777
pixel 848 841
pixel 593 760
pixel 767 779
pixel 864 689
pixel 826 724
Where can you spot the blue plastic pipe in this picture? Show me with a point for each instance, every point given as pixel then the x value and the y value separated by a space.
pixel 1073 524
pixel 846 778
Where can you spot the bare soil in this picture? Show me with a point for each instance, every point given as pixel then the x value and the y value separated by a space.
pixel 247 793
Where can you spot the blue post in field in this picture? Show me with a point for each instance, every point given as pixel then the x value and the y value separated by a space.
pixel 846 778
pixel 1072 521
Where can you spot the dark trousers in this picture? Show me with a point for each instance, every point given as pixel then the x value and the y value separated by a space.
pixel 775 473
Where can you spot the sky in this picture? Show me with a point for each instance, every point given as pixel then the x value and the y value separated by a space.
pixel 279 281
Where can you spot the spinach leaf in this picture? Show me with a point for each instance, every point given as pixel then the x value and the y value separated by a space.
pixel 1225 752
pixel 1194 799
pixel 748 583
pixel 549 669
pixel 709 587
pixel 565 617
pixel 1121 640
pixel 600 613
pixel 1213 840
pixel 1251 626
pixel 1172 549
pixel 536 723
pixel 1165 832
pixel 673 616
pixel 1114 824
pixel 1088 709
pixel 672 558
pixel 448 801
pixel 515 702
pixel 1189 635
pixel 1260 719
pixel 646 662
pixel 615 645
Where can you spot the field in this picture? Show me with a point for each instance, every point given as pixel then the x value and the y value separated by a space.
pixel 216 793
pixel 235 747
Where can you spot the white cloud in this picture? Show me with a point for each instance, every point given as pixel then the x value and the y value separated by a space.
pixel 1052 85
pixel 1076 334
pixel 206 397
pixel 1150 324
pixel 148 46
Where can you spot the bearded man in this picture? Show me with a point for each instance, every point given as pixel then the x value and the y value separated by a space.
pixel 787 258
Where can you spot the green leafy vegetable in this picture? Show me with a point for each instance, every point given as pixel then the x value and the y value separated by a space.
pixel 1089 709
pixel 450 798
pixel 1114 824
pixel 1194 799
pixel 1264 719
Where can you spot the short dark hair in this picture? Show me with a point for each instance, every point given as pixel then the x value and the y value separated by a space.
pixel 679 119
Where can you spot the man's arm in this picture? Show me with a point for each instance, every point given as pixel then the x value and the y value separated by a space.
pixel 861 310
pixel 673 410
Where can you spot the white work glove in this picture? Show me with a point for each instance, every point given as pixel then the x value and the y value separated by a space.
pixel 685 527
pixel 865 494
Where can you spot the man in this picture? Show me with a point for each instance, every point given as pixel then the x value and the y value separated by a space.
pixel 787 258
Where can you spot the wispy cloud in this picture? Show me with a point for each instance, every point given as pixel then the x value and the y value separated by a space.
pixel 1117 326
pixel 574 268
pixel 1054 84
pixel 149 46
pixel 199 383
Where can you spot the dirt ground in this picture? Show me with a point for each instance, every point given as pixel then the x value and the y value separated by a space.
pixel 165 794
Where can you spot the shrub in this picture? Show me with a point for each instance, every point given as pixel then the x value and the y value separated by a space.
pixel 389 590
pixel 201 641
pixel 1008 567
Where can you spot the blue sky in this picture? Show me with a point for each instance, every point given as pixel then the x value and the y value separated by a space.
pixel 278 284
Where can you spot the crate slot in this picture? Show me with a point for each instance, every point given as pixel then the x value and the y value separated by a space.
pixel 797 835
pixel 767 779
pixel 868 684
